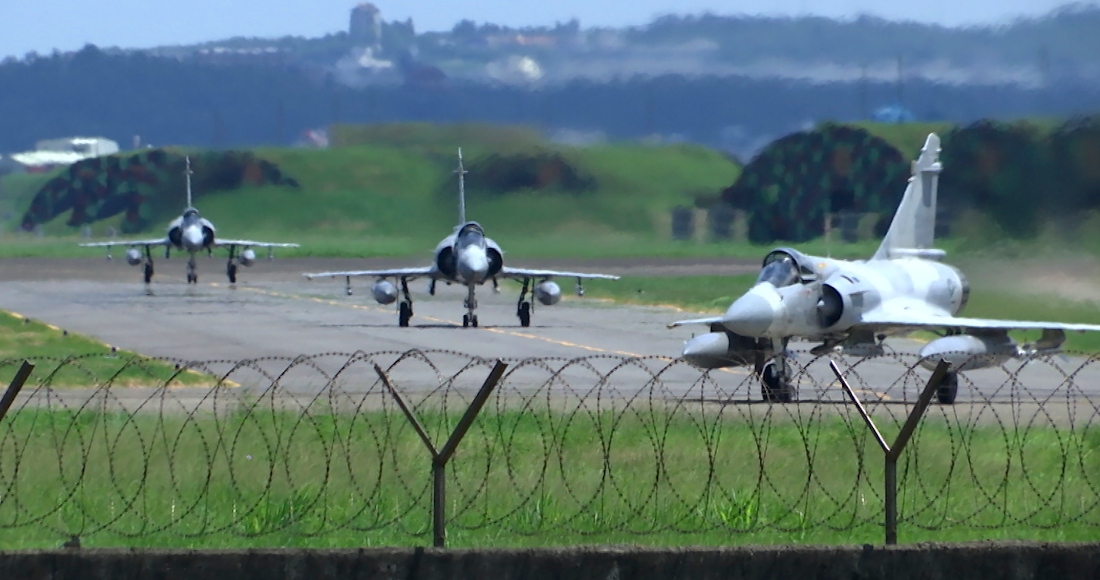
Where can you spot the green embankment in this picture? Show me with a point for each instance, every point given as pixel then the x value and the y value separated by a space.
pixel 392 191
pixel 92 363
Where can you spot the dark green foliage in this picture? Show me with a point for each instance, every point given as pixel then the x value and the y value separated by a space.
pixel 1000 169
pixel 1075 153
pixel 1022 176
pixel 790 186
pixel 143 185
pixel 547 170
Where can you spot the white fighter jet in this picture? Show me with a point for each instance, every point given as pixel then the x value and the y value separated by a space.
pixel 193 234
pixel 852 306
pixel 469 258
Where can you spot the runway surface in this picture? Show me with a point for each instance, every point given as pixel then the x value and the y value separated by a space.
pixel 274 312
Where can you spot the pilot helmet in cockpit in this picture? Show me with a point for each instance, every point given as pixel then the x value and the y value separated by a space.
pixel 779 270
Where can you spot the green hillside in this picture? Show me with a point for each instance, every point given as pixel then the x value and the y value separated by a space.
pixel 391 190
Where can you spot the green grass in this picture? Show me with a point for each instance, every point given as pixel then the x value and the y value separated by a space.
pixel 906 137
pixel 89 362
pixel 398 184
pixel 648 474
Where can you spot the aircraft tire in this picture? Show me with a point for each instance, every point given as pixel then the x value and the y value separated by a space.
pixel 773 386
pixel 231 271
pixel 473 321
pixel 465 321
pixel 525 314
pixel 949 389
pixel 404 313
pixel 148 272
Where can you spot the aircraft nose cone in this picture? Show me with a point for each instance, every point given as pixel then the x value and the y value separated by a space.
pixel 473 264
pixel 749 315
pixel 193 237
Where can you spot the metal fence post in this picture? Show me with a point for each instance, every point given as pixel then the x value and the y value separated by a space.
pixel 892 453
pixel 442 456
pixel 14 387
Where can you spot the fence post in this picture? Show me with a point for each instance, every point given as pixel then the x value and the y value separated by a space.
pixel 442 456
pixel 14 387
pixel 892 453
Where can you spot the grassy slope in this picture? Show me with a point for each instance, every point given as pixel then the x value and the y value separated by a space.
pixel 395 193
pixel 92 362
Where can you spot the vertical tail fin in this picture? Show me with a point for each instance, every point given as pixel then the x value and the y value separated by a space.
pixel 912 231
pixel 188 173
pixel 461 189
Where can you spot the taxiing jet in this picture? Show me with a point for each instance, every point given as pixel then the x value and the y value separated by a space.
pixel 190 233
pixel 469 258
pixel 852 306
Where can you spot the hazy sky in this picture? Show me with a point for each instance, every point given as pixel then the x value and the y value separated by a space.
pixel 43 25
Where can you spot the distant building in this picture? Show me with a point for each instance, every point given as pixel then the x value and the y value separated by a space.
pixel 268 55
pixel 50 153
pixel 366 25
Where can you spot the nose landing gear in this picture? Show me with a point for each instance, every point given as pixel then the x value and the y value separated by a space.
pixel 523 308
pixel 404 306
pixel 775 375
pixel 470 319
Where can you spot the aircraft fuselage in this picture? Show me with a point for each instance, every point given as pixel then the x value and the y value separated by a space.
pixel 833 295
pixel 468 257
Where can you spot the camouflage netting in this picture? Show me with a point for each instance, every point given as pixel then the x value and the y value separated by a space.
pixel 997 168
pixel 789 187
pixel 500 174
pixel 1075 153
pixel 143 186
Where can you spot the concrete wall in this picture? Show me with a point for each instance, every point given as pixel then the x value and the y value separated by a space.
pixel 925 561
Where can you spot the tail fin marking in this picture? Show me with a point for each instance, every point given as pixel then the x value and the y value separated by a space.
pixel 912 230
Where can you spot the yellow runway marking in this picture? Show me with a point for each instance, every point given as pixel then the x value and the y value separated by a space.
pixel 451 322
pixel 565 343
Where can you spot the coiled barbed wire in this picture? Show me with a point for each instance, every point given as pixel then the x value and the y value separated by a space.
pixel 593 445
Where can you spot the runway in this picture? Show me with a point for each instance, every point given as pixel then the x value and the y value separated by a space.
pixel 274 312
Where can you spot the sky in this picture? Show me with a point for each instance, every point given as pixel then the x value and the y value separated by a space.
pixel 45 25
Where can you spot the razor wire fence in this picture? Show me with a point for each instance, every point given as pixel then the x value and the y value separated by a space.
pixel 317 449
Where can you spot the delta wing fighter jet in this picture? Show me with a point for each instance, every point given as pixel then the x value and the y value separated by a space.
pixel 193 234
pixel 469 258
pixel 852 306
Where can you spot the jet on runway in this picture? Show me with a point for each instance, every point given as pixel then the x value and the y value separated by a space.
pixel 852 306
pixel 469 258
pixel 190 233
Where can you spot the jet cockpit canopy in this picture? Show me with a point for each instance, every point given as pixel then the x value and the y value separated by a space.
pixel 470 233
pixel 786 267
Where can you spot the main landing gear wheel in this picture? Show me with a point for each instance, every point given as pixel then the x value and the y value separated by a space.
pixel 469 320
pixel 774 386
pixel 148 272
pixel 231 271
pixel 192 278
pixel 404 313
pixel 525 314
pixel 949 388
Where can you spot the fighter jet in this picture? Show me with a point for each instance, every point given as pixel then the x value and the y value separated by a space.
pixel 469 258
pixel 851 307
pixel 193 234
